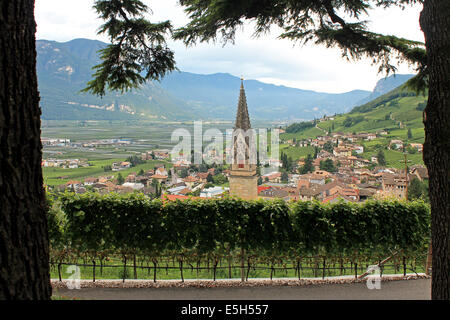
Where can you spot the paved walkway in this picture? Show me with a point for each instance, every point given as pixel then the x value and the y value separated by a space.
pixel 419 289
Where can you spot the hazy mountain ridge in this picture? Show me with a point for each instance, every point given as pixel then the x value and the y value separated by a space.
pixel 386 85
pixel 266 101
pixel 65 68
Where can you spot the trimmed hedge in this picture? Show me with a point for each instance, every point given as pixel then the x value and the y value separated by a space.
pixel 136 224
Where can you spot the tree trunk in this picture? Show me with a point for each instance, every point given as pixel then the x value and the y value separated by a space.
pixel 435 23
pixel 24 250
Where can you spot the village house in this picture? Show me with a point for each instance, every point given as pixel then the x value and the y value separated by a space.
pixel 202 176
pixel 323 154
pixel 313 178
pixel 397 143
pixel 292 191
pixel 190 181
pixel 142 179
pixel 272 177
pixel 344 162
pixel 181 164
pixel 393 185
pixel 133 186
pixel 420 172
pixel 308 194
pixel 161 154
pixel 161 171
pixel 273 193
pixel 131 177
pixel 119 166
pixel 358 149
pixel 342 152
pixel 179 190
pixel 90 181
pixel 303 183
pixel 417 146
pixel 214 192
pixel 74 185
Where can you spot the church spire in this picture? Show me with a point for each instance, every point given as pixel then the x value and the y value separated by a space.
pixel 242 117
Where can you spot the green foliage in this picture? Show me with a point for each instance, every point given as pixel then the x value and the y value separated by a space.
pixel 418 190
pixel 135 160
pixel 411 150
pixel 381 158
pixel 287 162
pixel 120 179
pixel 184 173
pixel 389 97
pixel 138 50
pixel 220 179
pixel 134 223
pixel 308 166
pixel 409 134
pixel 328 165
pixel 284 177
pixel 209 185
pixel 351 121
pixel 328 146
pixel 298 127
pixel 421 106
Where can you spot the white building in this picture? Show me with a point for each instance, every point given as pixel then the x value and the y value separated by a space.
pixel 134 186
pixel 358 149
pixel 213 192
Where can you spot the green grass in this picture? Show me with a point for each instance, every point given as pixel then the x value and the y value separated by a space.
pixel 305 134
pixel 115 269
pixel 403 110
pixel 296 152
pixel 51 174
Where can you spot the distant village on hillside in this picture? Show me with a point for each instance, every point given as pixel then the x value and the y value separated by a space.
pixel 335 172
pixel 351 180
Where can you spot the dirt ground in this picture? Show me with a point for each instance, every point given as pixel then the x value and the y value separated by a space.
pixel 417 289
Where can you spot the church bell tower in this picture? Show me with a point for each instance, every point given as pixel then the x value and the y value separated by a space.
pixel 243 178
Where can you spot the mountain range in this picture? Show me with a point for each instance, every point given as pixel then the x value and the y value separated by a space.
pixel 65 68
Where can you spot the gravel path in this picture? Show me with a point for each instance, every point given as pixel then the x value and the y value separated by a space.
pixel 391 288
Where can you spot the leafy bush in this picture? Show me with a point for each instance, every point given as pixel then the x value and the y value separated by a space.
pixel 301 126
pixel 133 223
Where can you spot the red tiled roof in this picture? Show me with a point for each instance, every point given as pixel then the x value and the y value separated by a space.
pixel 190 179
pixel 262 188
pixel 73 182
pixel 203 175
pixel 174 197
pixel 158 176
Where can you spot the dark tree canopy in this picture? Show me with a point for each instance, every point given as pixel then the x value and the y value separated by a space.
pixel 138 51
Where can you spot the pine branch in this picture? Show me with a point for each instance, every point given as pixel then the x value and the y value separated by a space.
pixel 138 50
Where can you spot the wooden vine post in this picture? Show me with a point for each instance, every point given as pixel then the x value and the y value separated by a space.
pixel 429 259
pixel 242 264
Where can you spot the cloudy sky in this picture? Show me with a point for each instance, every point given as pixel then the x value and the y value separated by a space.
pixel 267 58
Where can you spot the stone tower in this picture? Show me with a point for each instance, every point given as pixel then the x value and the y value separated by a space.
pixel 243 178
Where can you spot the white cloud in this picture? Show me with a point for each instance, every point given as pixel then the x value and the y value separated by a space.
pixel 267 58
